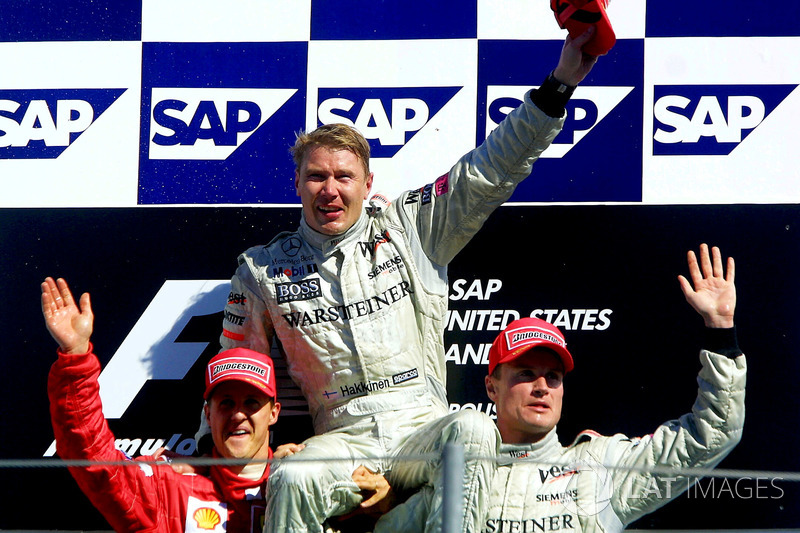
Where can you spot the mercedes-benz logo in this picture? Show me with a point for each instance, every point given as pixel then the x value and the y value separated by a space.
pixel 291 246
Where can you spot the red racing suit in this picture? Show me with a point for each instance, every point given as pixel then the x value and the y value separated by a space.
pixel 142 496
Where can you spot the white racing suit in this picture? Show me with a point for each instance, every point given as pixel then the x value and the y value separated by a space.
pixel 360 318
pixel 545 486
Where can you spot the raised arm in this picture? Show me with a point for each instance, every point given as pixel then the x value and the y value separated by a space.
pixel 69 324
pixel 712 292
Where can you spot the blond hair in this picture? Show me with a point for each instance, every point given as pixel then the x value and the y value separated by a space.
pixel 333 137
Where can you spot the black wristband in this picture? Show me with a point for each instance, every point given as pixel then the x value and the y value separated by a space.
pixel 722 341
pixel 552 96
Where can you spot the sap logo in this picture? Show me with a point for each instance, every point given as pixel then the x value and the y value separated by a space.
pixel 475 290
pixel 710 119
pixel 42 123
pixel 208 124
pixel 585 110
pixel 387 117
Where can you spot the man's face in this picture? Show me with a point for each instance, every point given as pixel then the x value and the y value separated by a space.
pixel 240 415
pixel 528 392
pixel 332 186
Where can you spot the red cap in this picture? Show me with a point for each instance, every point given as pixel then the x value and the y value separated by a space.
pixel 241 364
pixel 578 15
pixel 525 334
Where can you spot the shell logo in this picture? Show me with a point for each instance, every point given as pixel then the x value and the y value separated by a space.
pixel 206 518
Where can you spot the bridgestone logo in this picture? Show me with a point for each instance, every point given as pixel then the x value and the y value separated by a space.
pixel 527 336
pixel 238 366
pixel 520 337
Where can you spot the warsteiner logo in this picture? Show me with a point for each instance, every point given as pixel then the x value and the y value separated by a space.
pixel 42 123
pixel 387 117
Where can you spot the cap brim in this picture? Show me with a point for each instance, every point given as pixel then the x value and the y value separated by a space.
pixel 561 352
pixel 260 387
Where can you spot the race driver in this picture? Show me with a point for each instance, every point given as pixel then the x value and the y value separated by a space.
pixel 357 299
pixel 141 496
pixel 601 483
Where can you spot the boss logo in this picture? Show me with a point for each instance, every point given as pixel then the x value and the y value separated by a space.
pixel 307 289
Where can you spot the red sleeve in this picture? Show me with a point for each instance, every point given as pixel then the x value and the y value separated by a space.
pixel 126 495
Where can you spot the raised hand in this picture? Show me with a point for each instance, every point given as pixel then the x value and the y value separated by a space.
pixel 69 324
pixel 712 292
pixel 574 65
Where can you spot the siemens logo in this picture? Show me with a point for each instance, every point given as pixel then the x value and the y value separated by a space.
pixel 710 119
pixel 208 124
pixel 585 110
pixel 387 117
pixel 42 123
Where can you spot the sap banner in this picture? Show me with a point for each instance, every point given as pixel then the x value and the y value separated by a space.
pixel 118 103
pixel 606 275
pixel 118 116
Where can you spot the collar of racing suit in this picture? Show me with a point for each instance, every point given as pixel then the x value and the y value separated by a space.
pixel 540 450
pixel 327 244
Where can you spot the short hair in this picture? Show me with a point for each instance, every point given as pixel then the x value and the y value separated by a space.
pixel 333 137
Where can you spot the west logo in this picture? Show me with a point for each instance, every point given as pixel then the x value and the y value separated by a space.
pixel 710 119
pixel 388 117
pixel 208 124
pixel 587 108
pixel 368 249
pixel 42 123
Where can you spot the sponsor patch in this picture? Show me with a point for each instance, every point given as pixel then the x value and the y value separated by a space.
pixel 205 516
pixel 523 336
pixel 295 271
pixel 291 246
pixel 442 185
pixel 307 289
pixel 235 298
pixel 402 377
